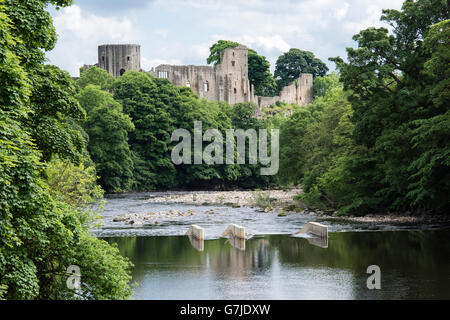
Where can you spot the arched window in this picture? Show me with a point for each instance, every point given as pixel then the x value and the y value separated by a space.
pixel 122 71
pixel 206 86
pixel 235 91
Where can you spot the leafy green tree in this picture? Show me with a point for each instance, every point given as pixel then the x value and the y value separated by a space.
pixel 293 147
pixel 243 117
pixel 96 76
pixel 55 114
pixel 213 115
pixel 40 236
pixel 217 48
pixel 291 64
pixel 399 121
pixel 152 104
pixel 430 170
pixel 323 84
pixel 73 184
pixel 260 76
pixel 108 127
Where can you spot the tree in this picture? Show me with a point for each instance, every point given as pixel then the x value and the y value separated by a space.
pixel 56 113
pixel 399 121
pixel 291 64
pixel 217 48
pixel 74 184
pixel 40 236
pixel 260 76
pixel 152 104
pixel 108 127
pixel 97 76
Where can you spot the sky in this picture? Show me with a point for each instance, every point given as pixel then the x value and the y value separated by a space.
pixel 182 31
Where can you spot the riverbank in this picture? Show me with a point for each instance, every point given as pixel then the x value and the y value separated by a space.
pixel 282 201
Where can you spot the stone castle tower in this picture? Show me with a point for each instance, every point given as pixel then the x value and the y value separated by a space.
pixel 232 73
pixel 118 58
pixel 227 81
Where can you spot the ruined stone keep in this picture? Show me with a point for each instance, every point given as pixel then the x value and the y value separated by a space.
pixel 118 58
pixel 227 81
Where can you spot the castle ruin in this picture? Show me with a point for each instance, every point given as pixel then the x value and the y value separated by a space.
pixel 227 81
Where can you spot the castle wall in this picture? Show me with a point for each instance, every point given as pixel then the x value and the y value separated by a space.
pixel 267 101
pixel 118 58
pixel 299 91
pixel 201 79
pixel 305 91
pixel 227 81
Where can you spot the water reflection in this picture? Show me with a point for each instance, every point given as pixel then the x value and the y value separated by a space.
pixel 318 241
pixel 238 243
pixel 198 244
pixel 414 265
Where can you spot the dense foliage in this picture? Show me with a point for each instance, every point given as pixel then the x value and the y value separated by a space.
pixel 291 64
pixel 387 148
pixel 107 128
pixel 374 139
pixel 41 231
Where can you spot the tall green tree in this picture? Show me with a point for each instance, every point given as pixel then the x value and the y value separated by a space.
pixel 260 76
pixel 107 128
pixel 97 76
pixel 400 122
pixel 291 64
pixel 152 104
pixel 56 114
pixel 40 236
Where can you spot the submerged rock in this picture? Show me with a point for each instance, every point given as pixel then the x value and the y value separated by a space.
pixel 120 218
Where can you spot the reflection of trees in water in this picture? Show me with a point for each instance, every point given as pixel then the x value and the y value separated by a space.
pixel 405 258
pixel 408 259
pixel 355 250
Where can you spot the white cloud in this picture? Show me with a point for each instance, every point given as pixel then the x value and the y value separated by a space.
pixel 80 34
pixel 147 64
pixel 163 33
pixel 340 13
pixel 89 27
pixel 181 31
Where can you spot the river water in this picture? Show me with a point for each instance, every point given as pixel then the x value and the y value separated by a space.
pixel 273 264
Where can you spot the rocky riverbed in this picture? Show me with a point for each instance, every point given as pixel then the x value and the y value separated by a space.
pixel 281 201
pixel 266 212
pixel 275 198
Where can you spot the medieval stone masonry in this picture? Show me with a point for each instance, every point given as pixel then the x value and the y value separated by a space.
pixel 227 81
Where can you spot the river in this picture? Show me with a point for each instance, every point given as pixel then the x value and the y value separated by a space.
pixel 272 264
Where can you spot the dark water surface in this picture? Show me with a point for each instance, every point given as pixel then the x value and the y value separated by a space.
pixel 414 265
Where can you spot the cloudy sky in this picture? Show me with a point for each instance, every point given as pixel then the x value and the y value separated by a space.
pixel 181 31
